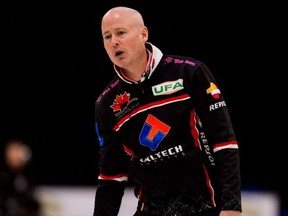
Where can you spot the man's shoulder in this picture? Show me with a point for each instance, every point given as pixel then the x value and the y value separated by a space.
pixel 180 60
pixel 108 89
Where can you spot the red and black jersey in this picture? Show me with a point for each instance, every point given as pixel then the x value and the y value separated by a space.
pixel 171 135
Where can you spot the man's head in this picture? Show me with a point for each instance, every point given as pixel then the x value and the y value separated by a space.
pixel 124 36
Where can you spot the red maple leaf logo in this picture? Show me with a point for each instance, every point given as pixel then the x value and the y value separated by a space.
pixel 120 102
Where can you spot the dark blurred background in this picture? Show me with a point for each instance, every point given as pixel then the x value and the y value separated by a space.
pixel 54 66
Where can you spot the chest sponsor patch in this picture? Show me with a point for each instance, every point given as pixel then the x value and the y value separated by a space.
pixel 153 132
pixel 168 87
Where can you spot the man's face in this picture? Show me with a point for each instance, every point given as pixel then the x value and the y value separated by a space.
pixel 123 40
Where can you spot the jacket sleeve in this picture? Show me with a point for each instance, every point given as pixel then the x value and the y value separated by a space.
pixel 108 198
pixel 216 123
pixel 113 169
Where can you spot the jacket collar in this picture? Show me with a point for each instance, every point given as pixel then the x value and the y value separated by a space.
pixel 154 58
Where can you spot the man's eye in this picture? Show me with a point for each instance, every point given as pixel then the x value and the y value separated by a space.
pixel 107 37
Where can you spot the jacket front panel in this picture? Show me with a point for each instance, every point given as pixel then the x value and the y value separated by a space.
pixel 148 130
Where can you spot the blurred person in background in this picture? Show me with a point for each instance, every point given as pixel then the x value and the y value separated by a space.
pixel 16 184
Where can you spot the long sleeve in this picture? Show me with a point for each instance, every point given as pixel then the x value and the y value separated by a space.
pixel 217 124
pixel 108 198
pixel 113 164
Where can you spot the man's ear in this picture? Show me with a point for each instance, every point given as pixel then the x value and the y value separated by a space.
pixel 145 33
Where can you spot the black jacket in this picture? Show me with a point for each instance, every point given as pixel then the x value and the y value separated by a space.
pixel 171 135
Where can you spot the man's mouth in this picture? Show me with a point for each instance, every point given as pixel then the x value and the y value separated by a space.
pixel 118 53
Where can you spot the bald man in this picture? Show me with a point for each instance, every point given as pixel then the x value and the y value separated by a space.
pixel 162 125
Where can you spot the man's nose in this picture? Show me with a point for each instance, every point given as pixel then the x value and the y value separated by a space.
pixel 115 41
